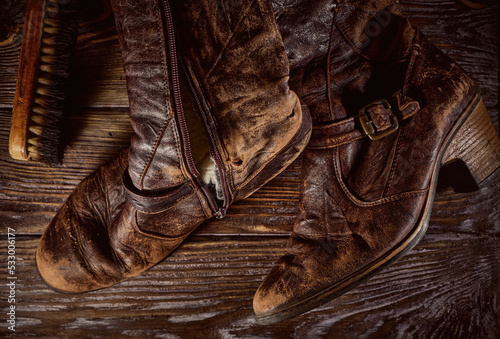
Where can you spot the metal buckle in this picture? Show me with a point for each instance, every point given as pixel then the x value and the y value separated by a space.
pixel 367 123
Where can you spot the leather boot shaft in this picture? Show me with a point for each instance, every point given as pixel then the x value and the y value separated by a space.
pixel 332 46
pixel 155 161
pixel 239 71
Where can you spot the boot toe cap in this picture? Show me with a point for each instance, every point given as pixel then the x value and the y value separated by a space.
pixel 62 264
pixel 267 302
pixel 275 300
pixel 74 255
pixel 62 275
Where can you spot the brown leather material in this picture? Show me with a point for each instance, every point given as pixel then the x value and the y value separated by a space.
pixel 407 106
pixel 144 53
pixel 335 134
pixel 255 122
pixel 155 203
pixel 243 35
pixel 345 131
pixel 75 249
pixel 364 202
pixel 306 28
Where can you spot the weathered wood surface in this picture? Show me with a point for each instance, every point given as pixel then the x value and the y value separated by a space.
pixel 447 287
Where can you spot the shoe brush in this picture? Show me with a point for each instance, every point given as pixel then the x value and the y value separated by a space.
pixel 48 41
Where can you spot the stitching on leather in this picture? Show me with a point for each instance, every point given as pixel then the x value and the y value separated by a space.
pixel 329 64
pixel 356 201
pixel 203 201
pixel 337 145
pixel 198 86
pixel 354 47
pixel 409 73
pixel 194 72
pixel 176 202
pixel 395 159
pixel 159 137
pixel 153 152
pixel 218 143
pixel 153 199
pixel 395 154
pixel 414 53
pixel 335 123
pixel 179 150
pixel 149 235
pixel 351 43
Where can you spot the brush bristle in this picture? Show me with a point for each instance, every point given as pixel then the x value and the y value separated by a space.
pixel 49 92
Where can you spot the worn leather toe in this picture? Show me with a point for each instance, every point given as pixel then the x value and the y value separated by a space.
pixel 74 254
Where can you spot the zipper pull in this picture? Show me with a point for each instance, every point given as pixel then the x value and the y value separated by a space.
pixel 221 213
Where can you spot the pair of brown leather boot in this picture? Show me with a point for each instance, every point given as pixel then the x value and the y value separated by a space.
pixel 214 119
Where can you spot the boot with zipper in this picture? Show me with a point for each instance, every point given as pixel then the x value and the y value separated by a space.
pixel 388 110
pixel 213 118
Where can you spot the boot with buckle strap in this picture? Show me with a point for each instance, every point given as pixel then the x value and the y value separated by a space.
pixel 213 118
pixel 389 111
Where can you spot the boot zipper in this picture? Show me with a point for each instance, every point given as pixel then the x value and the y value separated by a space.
pixel 219 211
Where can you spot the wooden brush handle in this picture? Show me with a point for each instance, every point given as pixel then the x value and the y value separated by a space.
pixel 30 46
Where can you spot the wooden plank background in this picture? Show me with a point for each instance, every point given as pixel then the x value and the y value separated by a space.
pixel 447 287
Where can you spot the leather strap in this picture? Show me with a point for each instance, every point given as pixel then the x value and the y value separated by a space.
pixel 378 119
pixel 334 134
pixel 156 202
pixel 380 116
pixel 406 105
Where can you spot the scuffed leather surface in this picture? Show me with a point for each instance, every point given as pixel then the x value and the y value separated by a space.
pixel 145 222
pixel 74 253
pixel 130 224
pixel 155 154
pixel 334 235
pixel 306 27
pixel 95 240
pixel 240 68
pixel 361 199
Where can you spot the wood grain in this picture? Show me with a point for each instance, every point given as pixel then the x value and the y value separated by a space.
pixel 206 287
pixel 447 287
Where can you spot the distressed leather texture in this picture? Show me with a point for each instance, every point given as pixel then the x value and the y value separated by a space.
pixel 130 214
pixel 75 250
pixel 242 71
pixel 361 199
